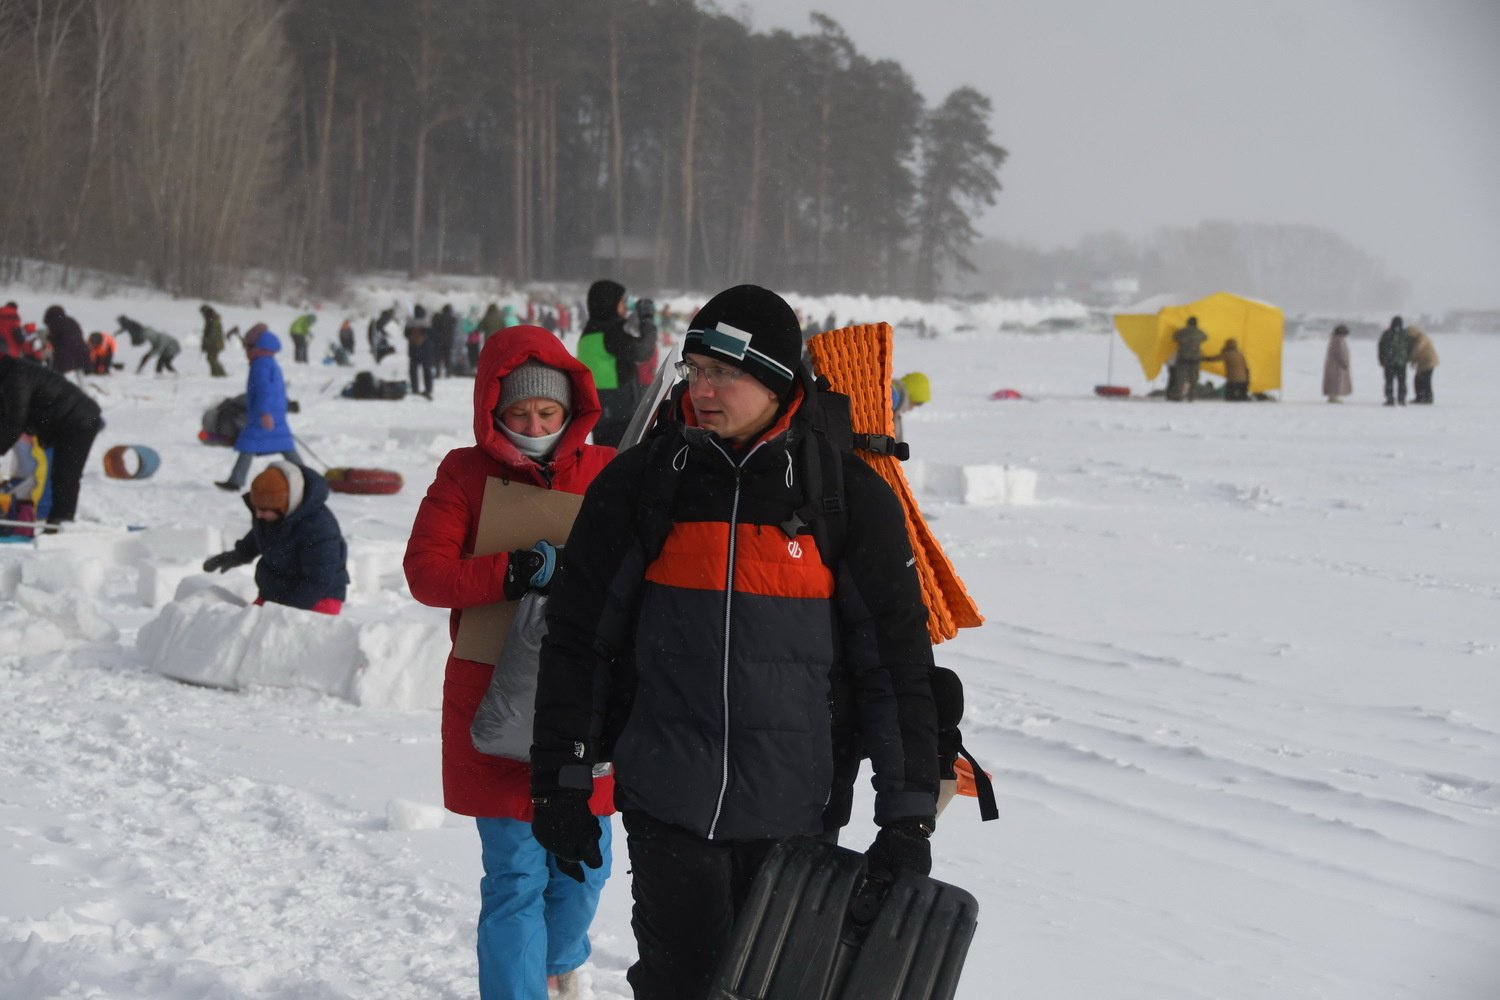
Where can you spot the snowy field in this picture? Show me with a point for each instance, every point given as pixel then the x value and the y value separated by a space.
pixel 1239 686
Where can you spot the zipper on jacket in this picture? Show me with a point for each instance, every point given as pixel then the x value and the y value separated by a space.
pixel 734 514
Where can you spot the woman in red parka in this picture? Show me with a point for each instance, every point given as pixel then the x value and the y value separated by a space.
pixel 534 406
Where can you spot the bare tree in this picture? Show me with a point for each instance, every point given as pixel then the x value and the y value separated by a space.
pixel 210 87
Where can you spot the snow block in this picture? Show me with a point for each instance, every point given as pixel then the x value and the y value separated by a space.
pixel 209 636
pixel 998 485
pixel 193 543
pixel 403 665
pixel 157 583
pixel 405 814
pixel 73 612
pixel 10 578
pixel 980 485
pixel 114 546
pixel 64 572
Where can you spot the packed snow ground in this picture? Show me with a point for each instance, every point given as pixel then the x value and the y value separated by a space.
pixel 1239 686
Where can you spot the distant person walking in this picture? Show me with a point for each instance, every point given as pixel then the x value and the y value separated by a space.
pixel 213 340
pixel 1337 381
pixel 1395 351
pixel 1424 358
pixel 266 430
pixel 419 352
pixel 1184 372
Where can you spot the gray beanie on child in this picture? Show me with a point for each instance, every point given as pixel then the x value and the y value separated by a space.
pixel 536 380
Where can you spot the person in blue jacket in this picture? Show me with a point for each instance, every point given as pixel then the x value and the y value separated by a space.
pixel 297 539
pixel 266 431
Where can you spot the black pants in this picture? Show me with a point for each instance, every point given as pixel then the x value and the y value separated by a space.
pixel 1421 386
pixel 70 452
pixel 1236 392
pixel 420 364
pixel 1395 384
pixel 299 349
pixel 687 891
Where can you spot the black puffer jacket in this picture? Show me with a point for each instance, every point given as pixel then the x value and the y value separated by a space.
pixel 722 706
pixel 303 555
pixel 36 400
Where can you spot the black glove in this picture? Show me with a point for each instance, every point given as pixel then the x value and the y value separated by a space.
pixel 530 569
pixel 900 846
pixel 645 309
pixel 562 823
pixel 223 562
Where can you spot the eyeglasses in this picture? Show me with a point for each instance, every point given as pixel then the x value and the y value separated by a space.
pixel 717 377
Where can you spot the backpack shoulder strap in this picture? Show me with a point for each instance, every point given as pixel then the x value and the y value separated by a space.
pixel 659 487
pixel 822 457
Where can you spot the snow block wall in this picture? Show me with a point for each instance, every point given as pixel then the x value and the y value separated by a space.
pixel 978 485
pixel 211 636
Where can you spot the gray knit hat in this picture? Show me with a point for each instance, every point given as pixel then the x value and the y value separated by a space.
pixel 536 380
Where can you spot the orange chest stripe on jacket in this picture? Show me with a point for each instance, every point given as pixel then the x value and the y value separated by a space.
pixel 695 556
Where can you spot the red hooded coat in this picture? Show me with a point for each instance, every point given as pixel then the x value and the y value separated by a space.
pixel 442 571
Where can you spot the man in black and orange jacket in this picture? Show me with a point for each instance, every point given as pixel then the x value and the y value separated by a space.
pixel 722 665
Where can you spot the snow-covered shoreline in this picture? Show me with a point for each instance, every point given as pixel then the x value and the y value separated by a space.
pixel 1239 685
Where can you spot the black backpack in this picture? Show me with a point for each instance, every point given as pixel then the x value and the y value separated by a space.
pixel 825 513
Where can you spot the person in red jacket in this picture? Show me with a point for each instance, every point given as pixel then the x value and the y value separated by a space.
pixel 534 406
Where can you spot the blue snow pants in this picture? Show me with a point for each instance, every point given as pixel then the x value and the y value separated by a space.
pixel 533 919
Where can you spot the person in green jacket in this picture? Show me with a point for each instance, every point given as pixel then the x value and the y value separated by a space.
pixel 614 348
pixel 213 340
pixel 301 331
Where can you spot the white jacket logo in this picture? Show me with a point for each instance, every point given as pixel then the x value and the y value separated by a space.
pixel 794 549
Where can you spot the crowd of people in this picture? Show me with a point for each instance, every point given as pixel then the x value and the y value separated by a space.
pixel 718 711
pixel 1400 347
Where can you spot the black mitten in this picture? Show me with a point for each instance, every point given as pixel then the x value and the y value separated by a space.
pixel 901 846
pixel 561 822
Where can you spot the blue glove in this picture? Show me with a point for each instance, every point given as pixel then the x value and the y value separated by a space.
pixel 530 569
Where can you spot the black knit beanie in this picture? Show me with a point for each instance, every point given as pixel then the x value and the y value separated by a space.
pixel 752 328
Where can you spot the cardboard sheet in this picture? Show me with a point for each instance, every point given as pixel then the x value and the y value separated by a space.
pixel 512 516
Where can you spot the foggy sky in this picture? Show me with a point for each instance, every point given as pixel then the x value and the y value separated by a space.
pixel 1377 119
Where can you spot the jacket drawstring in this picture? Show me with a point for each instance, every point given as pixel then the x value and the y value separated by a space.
pixel 679 460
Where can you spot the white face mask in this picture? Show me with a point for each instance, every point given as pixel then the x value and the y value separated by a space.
pixel 533 447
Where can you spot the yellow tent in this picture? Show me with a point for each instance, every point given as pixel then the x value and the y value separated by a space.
pixel 1148 330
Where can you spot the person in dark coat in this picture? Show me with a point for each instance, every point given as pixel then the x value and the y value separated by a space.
pixel 444 333
pixel 1394 351
pixel 266 430
pixel 37 401
pixel 419 352
pixel 722 667
pixel 70 352
pixel 213 340
pixel 614 349
pixel 297 539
